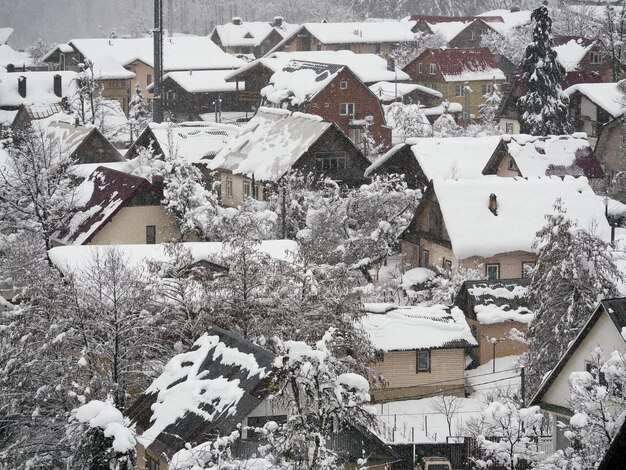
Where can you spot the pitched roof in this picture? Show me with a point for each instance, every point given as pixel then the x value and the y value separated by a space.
pixel 417 327
pixel 202 393
pixel 495 301
pixel 8 55
pixel 39 88
pixel 5 34
pixel 204 81
pixel 616 311
pixel 570 50
pixel 465 64
pixel 522 203
pixel 270 144
pixel 605 95
pixel 449 27
pixel 511 19
pixel 69 137
pixel 389 91
pixel 98 199
pixel 554 155
pixel 250 33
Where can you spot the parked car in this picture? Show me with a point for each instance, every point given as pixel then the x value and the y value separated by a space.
pixel 434 463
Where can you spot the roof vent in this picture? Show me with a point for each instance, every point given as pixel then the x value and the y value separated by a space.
pixel 493 203
pixel 236 20
pixel 21 86
pixel 515 9
pixel 58 85
pixel 278 21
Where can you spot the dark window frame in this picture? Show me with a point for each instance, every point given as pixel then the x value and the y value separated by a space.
pixel 331 161
pixel 150 234
pixel 419 369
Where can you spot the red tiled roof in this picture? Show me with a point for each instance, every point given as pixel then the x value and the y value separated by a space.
pixel 576 77
pixel 459 61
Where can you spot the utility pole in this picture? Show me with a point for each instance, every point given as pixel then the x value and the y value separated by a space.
pixel 157 35
pixel 170 18
pixel 523 390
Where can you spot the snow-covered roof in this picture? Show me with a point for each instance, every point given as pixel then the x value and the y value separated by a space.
pixel 270 144
pixel 250 33
pixel 495 301
pixel 510 19
pixel 553 155
pixel 195 141
pixel 204 81
pixel 364 32
pixel 39 88
pixel 5 34
pixel 7 117
pixel 466 64
pixel 448 30
pixel 206 391
pixel 605 95
pixel 8 55
pixel 299 81
pixel 84 170
pixel 522 206
pixel 571 50
pixel 76 258
pixel 450 108
pixel 388 91
pixel 453 157
pixel 418 327
pixel 68 137
pixel 369 68
pixel 97 200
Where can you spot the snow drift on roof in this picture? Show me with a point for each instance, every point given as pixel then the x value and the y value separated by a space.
pixel 605 95
pixel 389 91
pixel 510 19
pixel 10 56
pixel 417 327
pixel 554 155
pixel 250 33
pixel 5 34
pixel 522 207
pixel 67 137
pixel 39 88
pixel 571 50
pixel 497 301
pixel 448 30
pixel 204 81
pixel 270 144
pixel 365 32
pixel 467 64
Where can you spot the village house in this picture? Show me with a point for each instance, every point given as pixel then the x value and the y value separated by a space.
pixel 451 71
pixel 334 93
pixel 251 38
pixel 421 160
pixel 497 312
pixel 605 328
pixel 34 88
pixel 583 61
pixel 82 144
pixel 245 374
pixel 491 222
pixel 561 155
pixel 117 208
pixel 276 142
pixel 423 350
pixel 361 38
pixel 120 65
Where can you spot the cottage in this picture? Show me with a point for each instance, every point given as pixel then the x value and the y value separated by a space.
pixel 276 142
pixel 421 160
pixel 492 221
pixel 333 92
pixel 116 208
pixel 422 350
pixel 374 37
pixel 497 311
pixel 251 38
pixel 456 31
pixel 450 70
pixel 583 60
pixel 605 328
pixel 82 144
pixel 563 155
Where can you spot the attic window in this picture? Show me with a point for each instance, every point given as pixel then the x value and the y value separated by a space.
pixel 493 271
pixel 151 464
pixel 512 166
pixel 343 85
pixel 248 36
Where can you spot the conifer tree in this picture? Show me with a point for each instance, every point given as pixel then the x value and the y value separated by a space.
pixel 542 110
pixel 138 112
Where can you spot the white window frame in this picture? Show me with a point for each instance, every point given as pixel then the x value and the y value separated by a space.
pixel 433 69
pixel 343 85
pixel 229 187
pixel 246 189
pixel 420 68
pixel 458 90
pixel 595 57
pixel 491 266
pixel 344 109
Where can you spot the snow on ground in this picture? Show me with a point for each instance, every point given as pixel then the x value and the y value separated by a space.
pixel 481 382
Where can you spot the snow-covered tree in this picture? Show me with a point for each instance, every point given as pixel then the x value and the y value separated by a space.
pixel 543 109
pixel 405 52
pixel 574 270
pixel 408 120
pixel 138 112
pixel 612 36
pixel 489 110
pixel 508 45
pixel 88 93
pixel 38 50
pixel 36 188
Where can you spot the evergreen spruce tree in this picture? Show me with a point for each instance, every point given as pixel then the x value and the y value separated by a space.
pixel 138 112
pixel 542 110
pixel 574 271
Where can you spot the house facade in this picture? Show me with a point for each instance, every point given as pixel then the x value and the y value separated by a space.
pixel 247 38
pixel 583 60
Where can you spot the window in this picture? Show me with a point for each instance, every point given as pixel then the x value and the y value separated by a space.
pixel 471 35
pixel 527 267
pixel 422 361
pixel 487 88
pixel 343 85
pixel 150 234
pixel 151 464
pixel 512 166
pixel 459 90
pixel 229 187
pixel 330 161
pixel 493 271
pixel 255 191
pixel 433 86
pixel 447 265
pixel 424 258
pixel 346 109
pixel 246 189
pixel 356 135
pixel 420 68
pixel 148 79
pixel 596 57
pixel 433 69
pixel 509 128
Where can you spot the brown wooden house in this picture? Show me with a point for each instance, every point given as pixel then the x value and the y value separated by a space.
pixel 250 38
pixel 83 144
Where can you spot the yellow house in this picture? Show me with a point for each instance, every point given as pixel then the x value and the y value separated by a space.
pixel 491 222
pixel 422 350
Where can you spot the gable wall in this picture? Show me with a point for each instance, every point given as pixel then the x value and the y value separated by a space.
pixel 609 148
pixel 141 459
pixel 501 331
pixel 296 43
pixel 465 40
pixel 404 163
pixel 141 71
pixel 238 197
pixel 95 149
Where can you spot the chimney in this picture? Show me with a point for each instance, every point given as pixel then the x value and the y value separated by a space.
pixel 493 204
pixel 236 21
pixel 21 86
pixel 278 21
pixel 10 68
pixel 158 183
pixel 58 89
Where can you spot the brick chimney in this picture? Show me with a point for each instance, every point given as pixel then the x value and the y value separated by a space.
pixel 10 68
pixel 493 204
pixel 21 86
pixel 236 21
pixel 58 88
pixel 278 21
